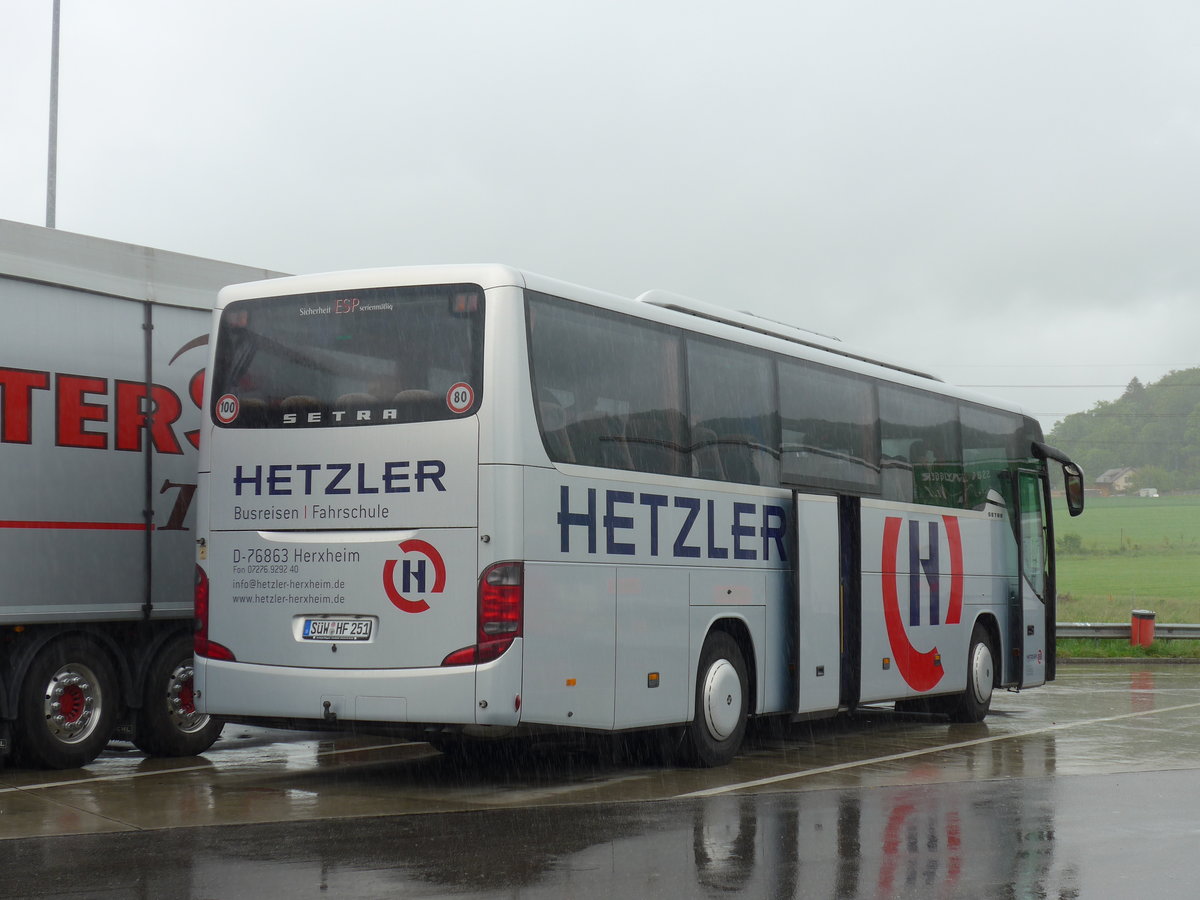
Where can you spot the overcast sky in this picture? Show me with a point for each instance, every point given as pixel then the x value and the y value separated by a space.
pixel 1005 193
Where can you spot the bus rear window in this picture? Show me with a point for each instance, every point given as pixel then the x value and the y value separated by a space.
pixel 345 358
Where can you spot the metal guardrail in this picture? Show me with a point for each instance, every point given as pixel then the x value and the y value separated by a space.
pixel 1162 631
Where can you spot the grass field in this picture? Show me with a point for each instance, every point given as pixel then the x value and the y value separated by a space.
pixel 1130 553
pixel 1095 648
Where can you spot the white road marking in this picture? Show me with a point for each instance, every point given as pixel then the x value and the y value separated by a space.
pixel 208 767
pixel 941 748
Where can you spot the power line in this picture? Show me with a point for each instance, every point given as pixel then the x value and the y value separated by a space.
pixel 1190 365
pixel 1069 386
pixel 1096 415
pixel 1079 442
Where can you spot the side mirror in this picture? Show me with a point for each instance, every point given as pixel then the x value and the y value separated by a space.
pixel 1073 476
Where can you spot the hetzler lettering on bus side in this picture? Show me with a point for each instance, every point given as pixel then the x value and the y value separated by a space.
pixel 679 526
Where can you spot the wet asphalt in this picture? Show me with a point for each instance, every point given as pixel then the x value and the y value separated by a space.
pixel 1087 788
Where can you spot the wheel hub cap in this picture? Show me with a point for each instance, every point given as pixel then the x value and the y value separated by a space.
pixel 72 703
pixel 181 700
pixel 722 699
pixel 981 673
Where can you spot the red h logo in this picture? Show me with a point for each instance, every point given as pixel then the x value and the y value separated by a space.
pixel 921 671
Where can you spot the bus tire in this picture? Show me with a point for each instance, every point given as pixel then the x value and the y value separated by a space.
pixel 67 707
pixel 973 704
pixel 718 725
pixel 168 723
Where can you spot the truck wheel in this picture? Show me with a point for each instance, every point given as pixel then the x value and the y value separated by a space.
pixel 67 707
pixel 168 723
pixel 973 704
pixel 715 733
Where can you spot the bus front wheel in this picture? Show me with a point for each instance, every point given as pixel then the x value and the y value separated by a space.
pixel 973 704
pixel 718 725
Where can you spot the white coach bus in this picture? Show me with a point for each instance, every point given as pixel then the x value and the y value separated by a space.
pixel 452 501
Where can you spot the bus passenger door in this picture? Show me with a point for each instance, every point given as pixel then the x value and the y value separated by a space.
pixel 1031 626
pixel 817 625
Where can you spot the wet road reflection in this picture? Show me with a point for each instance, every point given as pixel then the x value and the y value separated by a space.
pixel 1083 789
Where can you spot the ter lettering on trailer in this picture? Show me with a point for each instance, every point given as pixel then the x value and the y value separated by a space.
pixel 84 403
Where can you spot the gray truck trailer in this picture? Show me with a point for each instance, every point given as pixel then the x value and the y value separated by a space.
pixel 102 351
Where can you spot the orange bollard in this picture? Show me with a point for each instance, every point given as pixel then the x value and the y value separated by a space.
pixel 1141 628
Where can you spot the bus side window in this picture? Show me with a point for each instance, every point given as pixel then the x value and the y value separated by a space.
pixel 924 429
pixel 731 392
pixel 706 460
pixel 599 440
pixel 830 430
pixel 624 376
pixel 991 440
pixel 896 482
pixel 657 442
pixel 554 430
pixel 737 459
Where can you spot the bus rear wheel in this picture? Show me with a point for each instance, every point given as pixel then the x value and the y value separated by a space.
pixel 973 704
pixel 718 725
pixel 67 708
pixel 168 724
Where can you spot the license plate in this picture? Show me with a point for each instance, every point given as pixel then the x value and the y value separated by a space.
pixel 337 629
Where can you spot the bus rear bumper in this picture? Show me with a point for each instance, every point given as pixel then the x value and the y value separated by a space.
pixel 442 696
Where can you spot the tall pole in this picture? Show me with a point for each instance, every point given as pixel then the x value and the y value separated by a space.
pixel 52 162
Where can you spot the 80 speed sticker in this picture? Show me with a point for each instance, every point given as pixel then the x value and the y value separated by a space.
pixel 460 397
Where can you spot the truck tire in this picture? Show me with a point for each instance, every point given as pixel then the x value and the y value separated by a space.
pixel 67 706
pixel 168 723
pixel 718 725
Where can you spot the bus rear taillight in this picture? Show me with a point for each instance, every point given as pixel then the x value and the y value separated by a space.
pixel 201 645
pixel 500 617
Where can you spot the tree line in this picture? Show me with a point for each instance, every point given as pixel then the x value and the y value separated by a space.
pixel 1153 428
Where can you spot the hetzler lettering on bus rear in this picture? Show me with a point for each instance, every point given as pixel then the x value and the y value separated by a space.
pixel 334 479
